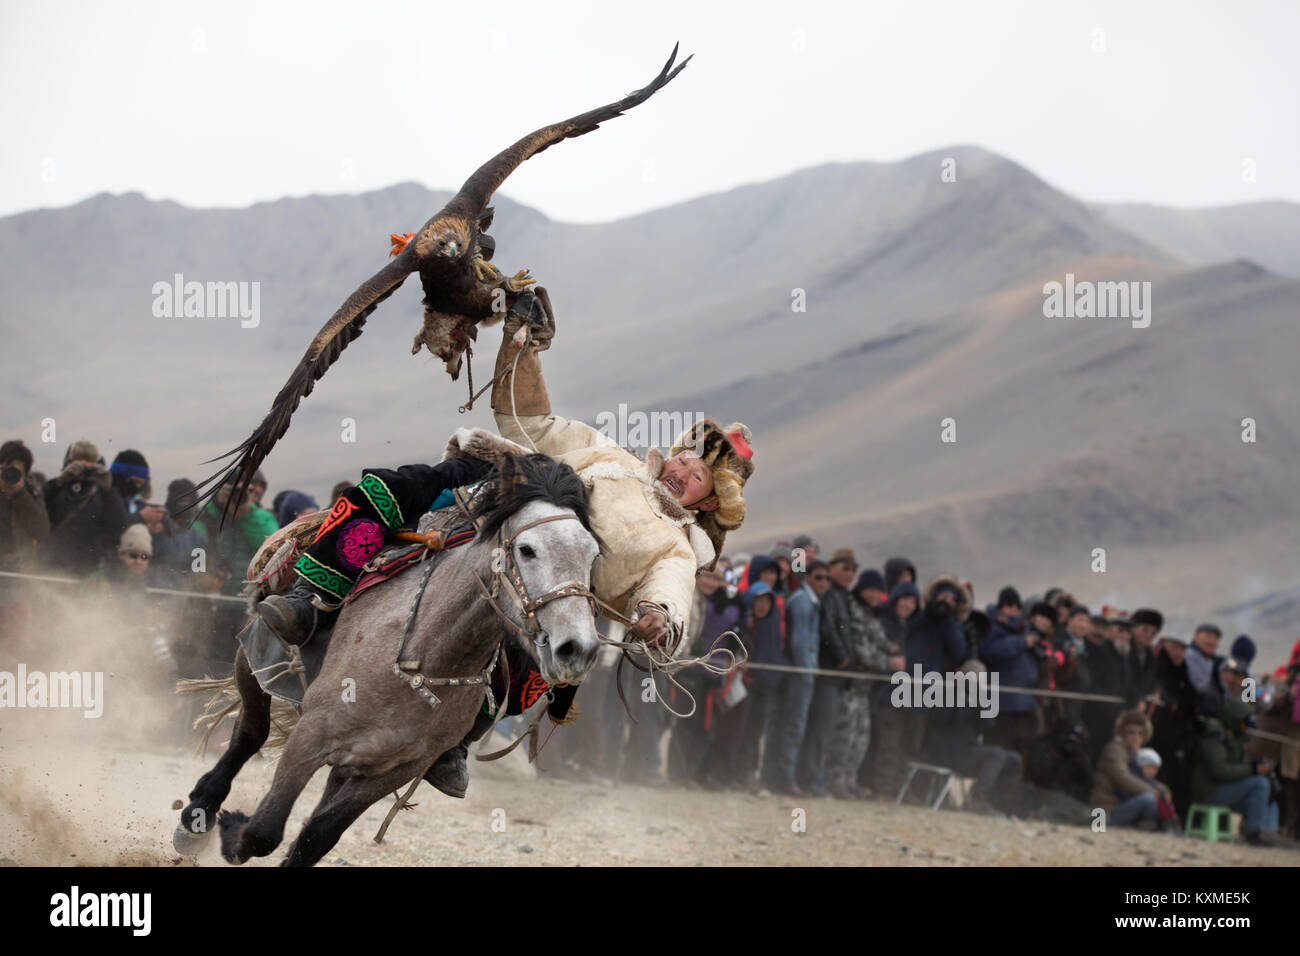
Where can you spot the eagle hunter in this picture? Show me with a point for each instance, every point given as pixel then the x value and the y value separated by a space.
pixel 451 252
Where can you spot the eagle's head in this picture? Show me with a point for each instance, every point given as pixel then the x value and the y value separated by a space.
pixel 444 239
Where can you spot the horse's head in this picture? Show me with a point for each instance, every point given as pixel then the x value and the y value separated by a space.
pixel 545 549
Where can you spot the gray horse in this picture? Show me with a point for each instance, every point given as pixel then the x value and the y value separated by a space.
pixel 381 710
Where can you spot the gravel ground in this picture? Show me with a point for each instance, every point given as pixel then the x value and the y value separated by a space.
pixel 71 798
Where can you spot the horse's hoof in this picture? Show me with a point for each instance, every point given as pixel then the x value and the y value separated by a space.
pixel 188 843
pixel 232 828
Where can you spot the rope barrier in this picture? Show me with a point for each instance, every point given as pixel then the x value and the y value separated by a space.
pixel 171 592
pixel 659 661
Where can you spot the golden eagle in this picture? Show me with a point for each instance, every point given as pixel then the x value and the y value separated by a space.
pixel 461 287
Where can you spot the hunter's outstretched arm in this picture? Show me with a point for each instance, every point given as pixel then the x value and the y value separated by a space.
pixel 520 390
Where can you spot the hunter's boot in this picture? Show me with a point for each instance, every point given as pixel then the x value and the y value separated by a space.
pixel 450 772
pixel 295 615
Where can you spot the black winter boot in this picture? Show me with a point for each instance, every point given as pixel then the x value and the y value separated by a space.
pixel 294 615
pixel 450 772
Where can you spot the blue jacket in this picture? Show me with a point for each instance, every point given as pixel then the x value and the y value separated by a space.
pixel 1006 654
pixel 803 627
pixel 937 644
pixel 766 646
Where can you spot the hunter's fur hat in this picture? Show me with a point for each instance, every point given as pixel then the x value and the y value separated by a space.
pixel 726 450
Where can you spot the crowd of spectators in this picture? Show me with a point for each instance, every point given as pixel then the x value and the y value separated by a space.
pixel 1181 724
pixel 152 562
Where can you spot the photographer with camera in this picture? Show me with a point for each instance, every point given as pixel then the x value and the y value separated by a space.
pixel 1009 652
pixel 24 525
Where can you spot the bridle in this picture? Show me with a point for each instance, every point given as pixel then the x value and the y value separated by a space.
pixel 508 573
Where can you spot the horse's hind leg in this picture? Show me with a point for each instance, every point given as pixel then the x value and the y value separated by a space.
pixel 251 730
pixel 345 799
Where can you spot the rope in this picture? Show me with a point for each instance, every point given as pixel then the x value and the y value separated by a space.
pixel 659 659
pixel 513 414
pixel 399 803
pixel 169 591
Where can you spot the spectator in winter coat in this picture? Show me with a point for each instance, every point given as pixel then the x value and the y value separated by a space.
pixel 1203 663
pixel 130 474
pixel 24 528
pixel 833 655
pixel 86 515
pixel 1072 641
pixel 765 647
pixel 1108 674
pixel 291 505
pixel 896 730
pixel 1174 719
pixel 803 635
pixel 1146 625
pixel 869 653
pixel 246 526
pixel 127 575
pixel 936 640
pixel 898 569
pixel 1222 774
pixel 24 523
pixel 723 611
pixel 1126 796
pixel 870 588
pixel 901 610
pixel 174 542
pixel 1009 652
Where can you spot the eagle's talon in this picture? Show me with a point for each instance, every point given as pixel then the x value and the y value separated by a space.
pixel 520 281
pixel 486 271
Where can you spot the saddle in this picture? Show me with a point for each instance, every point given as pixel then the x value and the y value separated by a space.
pixel 286 672
pixel 271 569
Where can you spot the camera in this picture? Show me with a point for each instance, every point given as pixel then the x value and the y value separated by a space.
pixel 10 475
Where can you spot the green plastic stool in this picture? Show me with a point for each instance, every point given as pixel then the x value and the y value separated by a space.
pixel 1209 822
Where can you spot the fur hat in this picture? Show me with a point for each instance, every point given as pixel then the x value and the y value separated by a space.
pixel 81 451
pixel 1146 615
pixel 726 450
pixel 727 453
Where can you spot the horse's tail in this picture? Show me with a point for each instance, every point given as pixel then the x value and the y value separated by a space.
pixel 225 702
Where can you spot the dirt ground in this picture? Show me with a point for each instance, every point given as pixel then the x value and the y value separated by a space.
pixel 72 793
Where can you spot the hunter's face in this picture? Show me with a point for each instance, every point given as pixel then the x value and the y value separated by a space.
pixel 688 478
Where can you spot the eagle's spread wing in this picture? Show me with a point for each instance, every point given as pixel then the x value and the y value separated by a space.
pixel 470 204
pixel 487 179
pixel 344 326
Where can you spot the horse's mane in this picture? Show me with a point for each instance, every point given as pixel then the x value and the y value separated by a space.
pixel 540 478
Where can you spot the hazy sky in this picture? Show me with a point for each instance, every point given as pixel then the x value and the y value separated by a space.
pixel 225 104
